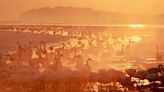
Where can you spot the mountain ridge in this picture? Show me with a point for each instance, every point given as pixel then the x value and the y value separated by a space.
pixel 84 15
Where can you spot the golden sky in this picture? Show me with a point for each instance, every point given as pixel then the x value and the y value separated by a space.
pixel 10 9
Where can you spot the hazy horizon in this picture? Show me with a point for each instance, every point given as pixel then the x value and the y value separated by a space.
pixel 11 9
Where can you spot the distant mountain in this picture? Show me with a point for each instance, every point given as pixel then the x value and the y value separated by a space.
pixel 83 16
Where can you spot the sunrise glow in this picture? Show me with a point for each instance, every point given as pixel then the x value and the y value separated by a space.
pixel 136 26
pixel 82 45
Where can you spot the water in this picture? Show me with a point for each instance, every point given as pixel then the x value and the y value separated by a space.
pixel 125 47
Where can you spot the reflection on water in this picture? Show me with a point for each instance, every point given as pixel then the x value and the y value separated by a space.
pixel 48 58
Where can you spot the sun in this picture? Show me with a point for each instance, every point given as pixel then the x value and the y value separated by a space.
pixel 136 26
